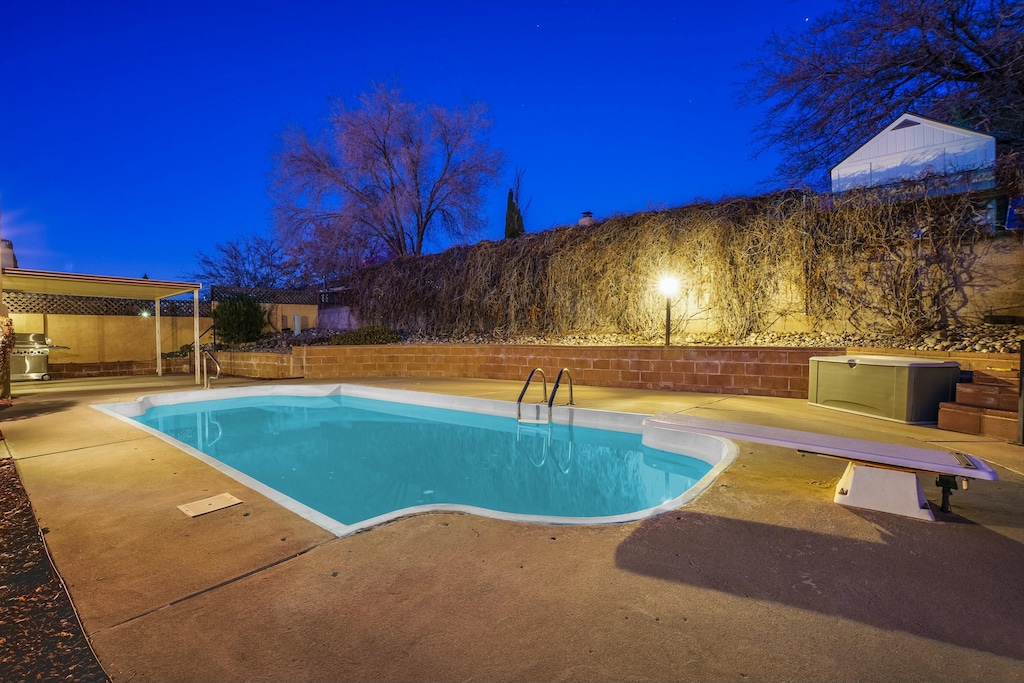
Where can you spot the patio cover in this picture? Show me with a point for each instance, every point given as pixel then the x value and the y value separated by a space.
pixel 73 284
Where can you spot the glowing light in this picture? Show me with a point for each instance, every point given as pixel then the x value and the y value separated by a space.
pixel 668 286
pixel 144 313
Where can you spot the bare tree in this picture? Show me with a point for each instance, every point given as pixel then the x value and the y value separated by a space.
pixel 384 178
pixel 517 190
pixel 830 88
pixel 253 261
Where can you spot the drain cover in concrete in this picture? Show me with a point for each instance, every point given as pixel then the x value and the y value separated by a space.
pixel 201 507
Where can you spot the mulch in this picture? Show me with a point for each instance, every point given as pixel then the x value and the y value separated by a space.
pixel 41 638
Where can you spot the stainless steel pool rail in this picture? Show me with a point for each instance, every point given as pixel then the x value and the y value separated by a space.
pixel 554 390
pixel 534 438
pixel 564 372
pixel 526 385
pixel 206 373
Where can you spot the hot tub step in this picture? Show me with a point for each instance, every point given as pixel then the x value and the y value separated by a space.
pixel 995 424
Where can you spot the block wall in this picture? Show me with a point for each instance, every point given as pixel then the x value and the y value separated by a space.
pixel 781 372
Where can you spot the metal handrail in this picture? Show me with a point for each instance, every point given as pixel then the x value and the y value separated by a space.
pixel 206 373
pixel 192 344
pixel 519 401
pixel 558 380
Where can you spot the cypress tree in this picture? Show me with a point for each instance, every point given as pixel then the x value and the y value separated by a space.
pixel 513 219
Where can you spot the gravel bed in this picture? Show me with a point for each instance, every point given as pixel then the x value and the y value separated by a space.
pixel 40 636
pixel 976 339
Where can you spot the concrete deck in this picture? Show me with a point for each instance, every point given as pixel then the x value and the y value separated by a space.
pixel 761 578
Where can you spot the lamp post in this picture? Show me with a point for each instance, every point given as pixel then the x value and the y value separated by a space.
pixel 669 286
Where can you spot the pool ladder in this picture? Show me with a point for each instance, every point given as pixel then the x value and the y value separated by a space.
pixel 206 373
pixel 564 372
pixel 541 427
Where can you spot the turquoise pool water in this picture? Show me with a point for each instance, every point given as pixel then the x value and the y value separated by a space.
pixel 354 459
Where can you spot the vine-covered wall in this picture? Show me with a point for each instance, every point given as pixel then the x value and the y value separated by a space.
pixel 884 260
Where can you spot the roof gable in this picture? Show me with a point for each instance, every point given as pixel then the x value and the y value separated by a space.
pixel 912 132
pixel 910 146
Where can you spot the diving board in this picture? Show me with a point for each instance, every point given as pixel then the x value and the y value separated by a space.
pixel 879 476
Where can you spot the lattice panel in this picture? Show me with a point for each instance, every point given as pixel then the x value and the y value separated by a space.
pixel 61 304
pixel 267 296
pixel 342 297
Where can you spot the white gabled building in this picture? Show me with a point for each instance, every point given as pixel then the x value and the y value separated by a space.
pixel 913 146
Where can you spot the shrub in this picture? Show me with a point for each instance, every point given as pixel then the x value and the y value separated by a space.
pixel 239 319
pixel 372 334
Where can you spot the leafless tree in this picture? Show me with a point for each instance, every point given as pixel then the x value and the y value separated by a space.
pixel 253 261
pixel 383 179
pixel 517 190
pixel 831 87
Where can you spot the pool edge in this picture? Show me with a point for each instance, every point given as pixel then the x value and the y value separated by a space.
pixel 583 417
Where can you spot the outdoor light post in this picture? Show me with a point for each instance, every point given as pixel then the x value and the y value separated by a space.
pixel 669 286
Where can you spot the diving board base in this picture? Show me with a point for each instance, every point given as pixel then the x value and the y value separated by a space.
pixel 884 490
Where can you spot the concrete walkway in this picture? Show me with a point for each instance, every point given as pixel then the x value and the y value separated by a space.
pixel 761 578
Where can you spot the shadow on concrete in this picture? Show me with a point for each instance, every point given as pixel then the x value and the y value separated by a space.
pixel 24 411
pixel 954 583
pixel 989 503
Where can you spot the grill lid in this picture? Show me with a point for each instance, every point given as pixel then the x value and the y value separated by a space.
pixel 31 339
pixel 34 341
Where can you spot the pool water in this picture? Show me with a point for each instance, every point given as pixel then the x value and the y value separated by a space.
pixel 355 459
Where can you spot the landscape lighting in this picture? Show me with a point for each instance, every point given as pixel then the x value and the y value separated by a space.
pixel 669 287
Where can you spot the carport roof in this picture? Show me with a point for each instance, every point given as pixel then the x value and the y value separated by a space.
pixel 74 284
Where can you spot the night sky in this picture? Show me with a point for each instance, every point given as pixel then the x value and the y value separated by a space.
pixel 135 134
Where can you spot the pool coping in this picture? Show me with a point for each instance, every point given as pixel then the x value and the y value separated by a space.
pixel 690 443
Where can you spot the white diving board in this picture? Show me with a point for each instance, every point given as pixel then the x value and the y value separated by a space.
pixel 879 476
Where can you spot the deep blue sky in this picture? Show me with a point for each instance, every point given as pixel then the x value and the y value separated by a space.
pixel 134 134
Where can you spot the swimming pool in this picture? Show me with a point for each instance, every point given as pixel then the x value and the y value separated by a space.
pixel 348 457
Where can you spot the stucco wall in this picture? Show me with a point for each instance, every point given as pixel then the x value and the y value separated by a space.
pixel 111 339
pixel 998 284
pixel 282 316
pixel 105 339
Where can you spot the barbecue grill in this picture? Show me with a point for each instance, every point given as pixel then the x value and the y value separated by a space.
pixel 30 358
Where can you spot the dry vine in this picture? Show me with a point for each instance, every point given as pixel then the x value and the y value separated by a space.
pixel 897 259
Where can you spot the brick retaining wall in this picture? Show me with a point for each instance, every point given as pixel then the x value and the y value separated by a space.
pixel 117 368
pixel 968 360
pixel 261 365
pixel 756 371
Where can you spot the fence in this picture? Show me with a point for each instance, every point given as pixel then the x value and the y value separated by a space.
pixel 62 304
pixel 300 297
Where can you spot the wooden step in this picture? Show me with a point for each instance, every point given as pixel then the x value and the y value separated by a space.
pixel 998 396
pixel 990 422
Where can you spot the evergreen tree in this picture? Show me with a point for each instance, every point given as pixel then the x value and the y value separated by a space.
pixel 513 218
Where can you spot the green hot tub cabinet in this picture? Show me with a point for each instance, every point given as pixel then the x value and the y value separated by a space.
pixel 890 387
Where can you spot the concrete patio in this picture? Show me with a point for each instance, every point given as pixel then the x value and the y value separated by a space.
pixel 761 578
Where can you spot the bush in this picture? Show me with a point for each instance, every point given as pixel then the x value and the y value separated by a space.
pixel 239 319
pixel 372 334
